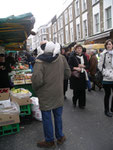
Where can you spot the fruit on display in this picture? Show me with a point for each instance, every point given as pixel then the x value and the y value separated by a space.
pixel 12 67
pixel 28 76
pixel 5 90
pixel 19 90
pixel 19 77
pixel 21 67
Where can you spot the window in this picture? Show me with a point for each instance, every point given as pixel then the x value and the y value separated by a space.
pixel 66 17
pixel 94 1
pixel 59 38
pixel 78 31
pixel 61 22
pixel 71 33
pixel 96 17
pixel 108 18
pixel 70 13
pixel 77 8
pixel 62 37
pixel 67 34
pixel 55 28
pixel 58 24
pixel 43 30
pixel 54 38
pixel 84 5
pixel 85 31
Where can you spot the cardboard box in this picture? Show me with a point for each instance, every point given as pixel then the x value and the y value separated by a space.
pixel 4 96
pixel 6 119
pixel 22 101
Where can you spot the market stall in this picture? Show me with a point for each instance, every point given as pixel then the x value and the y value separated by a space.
pixel 14 31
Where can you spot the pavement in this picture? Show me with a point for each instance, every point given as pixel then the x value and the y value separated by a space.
pixel 87 129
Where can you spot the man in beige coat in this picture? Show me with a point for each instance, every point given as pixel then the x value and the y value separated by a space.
pixel 50 70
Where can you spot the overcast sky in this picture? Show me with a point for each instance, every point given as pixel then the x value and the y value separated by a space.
pixel 43 10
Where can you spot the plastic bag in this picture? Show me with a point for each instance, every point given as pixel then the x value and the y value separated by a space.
pixel 9 108
pixel 35 109
pixel 21 94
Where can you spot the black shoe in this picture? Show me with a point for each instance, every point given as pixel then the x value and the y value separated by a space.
pixel 108 114
pixel 89 90
pixel 93 88
pixel 82 107
pixel 65 97
pixel 112 110
pixel 74 102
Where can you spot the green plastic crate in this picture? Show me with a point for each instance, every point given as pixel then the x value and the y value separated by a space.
pixel 25 110
pixel 9 129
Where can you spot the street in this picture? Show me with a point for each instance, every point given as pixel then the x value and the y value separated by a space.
pixel 87 129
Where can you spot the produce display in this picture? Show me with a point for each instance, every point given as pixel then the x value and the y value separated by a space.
pixel 22 91
pixel 5 90
pixel 22 78
pixel 20 67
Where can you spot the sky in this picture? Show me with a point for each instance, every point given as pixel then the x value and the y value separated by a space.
pixel 43 10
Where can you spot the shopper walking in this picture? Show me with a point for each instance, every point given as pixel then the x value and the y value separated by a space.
pixel 78 64
pixel 106 66
pixel 93 63
pixel 65 52
pixel 50 70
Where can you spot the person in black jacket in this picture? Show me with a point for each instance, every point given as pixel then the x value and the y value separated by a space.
pixel 78 63
pixel 4 69
pixel 10 59
pixel 65 52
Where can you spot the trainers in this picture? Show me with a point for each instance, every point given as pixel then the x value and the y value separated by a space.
pixel 61 140
pixel 45 144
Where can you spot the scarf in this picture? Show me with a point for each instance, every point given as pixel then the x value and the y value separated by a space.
pixel 83 70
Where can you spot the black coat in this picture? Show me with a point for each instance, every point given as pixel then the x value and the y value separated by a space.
pixel 4 78
pixel 77 83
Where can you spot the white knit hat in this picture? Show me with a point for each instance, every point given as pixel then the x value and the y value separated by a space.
pixel 52 48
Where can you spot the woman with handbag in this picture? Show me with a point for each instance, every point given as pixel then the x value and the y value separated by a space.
pixel 106 66
pixel 78 63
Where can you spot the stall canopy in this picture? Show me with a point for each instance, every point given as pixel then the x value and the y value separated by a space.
pixel 14 30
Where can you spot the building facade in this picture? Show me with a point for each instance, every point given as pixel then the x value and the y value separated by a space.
pixel 83 21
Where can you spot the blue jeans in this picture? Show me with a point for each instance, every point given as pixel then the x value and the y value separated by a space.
pixel 48 125
pixel 88 84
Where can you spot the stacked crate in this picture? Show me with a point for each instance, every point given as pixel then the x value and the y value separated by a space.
pixel 9 120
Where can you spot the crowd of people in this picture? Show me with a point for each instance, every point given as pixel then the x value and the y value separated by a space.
pixel 55 68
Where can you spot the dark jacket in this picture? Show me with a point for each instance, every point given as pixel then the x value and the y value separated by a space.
pixel 10 60
pixel 93 62
pixel 77 83
pixel 4 78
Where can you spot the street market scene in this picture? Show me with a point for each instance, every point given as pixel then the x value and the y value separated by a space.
pixel 56 75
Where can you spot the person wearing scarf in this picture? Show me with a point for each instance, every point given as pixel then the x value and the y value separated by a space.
pixel 78 61
pixel 50 70
pixel 107 72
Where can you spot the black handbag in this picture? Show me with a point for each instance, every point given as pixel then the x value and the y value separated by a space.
pixel 75 74
pixel 99 75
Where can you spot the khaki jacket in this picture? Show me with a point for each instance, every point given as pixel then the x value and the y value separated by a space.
pixel 47 82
